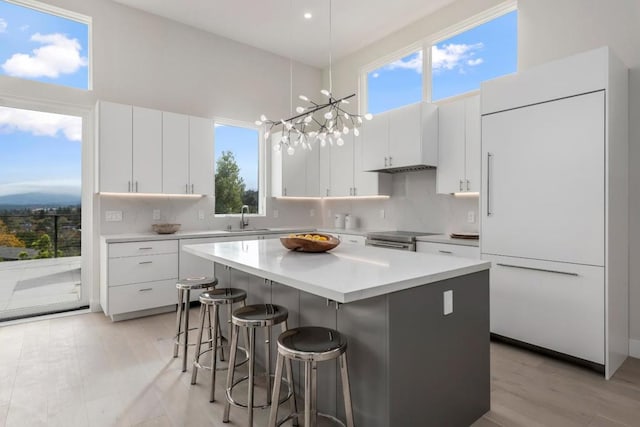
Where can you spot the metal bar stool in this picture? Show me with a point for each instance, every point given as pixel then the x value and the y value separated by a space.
pixel 211 301
pixel 185 286
pixel 252 317
pixel 310 345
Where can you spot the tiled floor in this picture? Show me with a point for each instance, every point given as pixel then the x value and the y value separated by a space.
pixel 41 283
pixel 87 371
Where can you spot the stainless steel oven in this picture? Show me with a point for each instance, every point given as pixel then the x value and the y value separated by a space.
pixel 402 240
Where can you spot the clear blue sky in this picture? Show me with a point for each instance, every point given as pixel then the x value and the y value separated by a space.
pixel 243 142
pixel 460 64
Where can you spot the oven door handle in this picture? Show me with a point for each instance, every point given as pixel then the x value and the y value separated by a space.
pixel 388 244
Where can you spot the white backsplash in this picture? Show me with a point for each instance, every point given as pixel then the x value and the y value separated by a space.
pixel 137 214
pixel 414 205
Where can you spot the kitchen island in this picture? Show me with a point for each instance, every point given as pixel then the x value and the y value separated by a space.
pixel 410 363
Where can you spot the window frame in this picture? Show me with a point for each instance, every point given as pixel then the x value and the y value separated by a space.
pixel 66 14
pixel 262 162
pixel 426 45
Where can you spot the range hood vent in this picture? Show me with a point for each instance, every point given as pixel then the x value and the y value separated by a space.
pixel 405 169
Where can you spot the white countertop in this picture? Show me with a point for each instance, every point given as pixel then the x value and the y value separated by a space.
pixel 141 237
pixel 345 274
pixel 445 238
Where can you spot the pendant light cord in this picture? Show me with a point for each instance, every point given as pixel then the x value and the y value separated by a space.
pixel 330 56
pixel 291 62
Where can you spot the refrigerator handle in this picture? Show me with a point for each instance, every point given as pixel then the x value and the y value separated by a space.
pixel 489 157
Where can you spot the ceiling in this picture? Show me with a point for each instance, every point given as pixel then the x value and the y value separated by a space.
pixel 278 26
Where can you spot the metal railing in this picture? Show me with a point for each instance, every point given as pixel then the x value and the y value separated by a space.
pixel 40 235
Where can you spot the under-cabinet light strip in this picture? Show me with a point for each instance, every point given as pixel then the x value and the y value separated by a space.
pixel 332 198
pixel 155 195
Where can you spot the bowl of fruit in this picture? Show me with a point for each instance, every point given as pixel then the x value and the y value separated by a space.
pixel 309 242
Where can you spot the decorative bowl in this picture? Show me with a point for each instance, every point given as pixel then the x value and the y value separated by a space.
pixel 165 228
pixel 300 243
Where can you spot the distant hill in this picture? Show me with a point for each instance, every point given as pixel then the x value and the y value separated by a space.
pixel 38 200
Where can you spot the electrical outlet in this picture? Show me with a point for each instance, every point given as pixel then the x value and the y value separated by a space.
pixel 200 214
pixel 156 214
pixel 471 217
pixel 113 216
pixel 276 213
pixel 312 212
pixel 447 297
pixel 382 214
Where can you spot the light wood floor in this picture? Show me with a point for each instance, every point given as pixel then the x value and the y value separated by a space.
pixel 86 371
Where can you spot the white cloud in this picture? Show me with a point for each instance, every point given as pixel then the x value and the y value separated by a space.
pixel 452 56
pixel 24 27
pixel 375 75
pixel 3 26
pixel 55 186
pixel 40 123
pixel 474 62
pixel 58 55
pixel 413 63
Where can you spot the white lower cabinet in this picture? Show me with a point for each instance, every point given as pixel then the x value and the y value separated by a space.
pixel 553 305
pixel 449 249
pixel 138 276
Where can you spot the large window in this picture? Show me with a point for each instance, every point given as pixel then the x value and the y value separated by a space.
pixel 395 84
pixel 46 47
pixel 460 60
pixel 460 63
pixel 237 152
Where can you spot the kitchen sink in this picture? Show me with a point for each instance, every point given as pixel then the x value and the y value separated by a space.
pixel 248 230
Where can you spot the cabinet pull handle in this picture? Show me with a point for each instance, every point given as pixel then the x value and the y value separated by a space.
pixel 544 270
pixel 461 181
pixel 445 252
pixel 355 191
pixel 327 192
pixel 145 289
pixel 186 188
pixel 390 160
pixel 385 162
pixel 145 262
pixel 136 186
pixel 129 186
pixel 191 188
pixel 285 191
pixel 467 185
pixel 489 157
pixel 145 249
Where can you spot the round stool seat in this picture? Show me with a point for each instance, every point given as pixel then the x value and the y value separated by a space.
pixel 191 283
pixel 260 315
pixel 223 296
pixel 312 343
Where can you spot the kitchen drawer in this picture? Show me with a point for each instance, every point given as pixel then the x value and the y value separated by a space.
pixel 117 250
pixel 558 306
pixel 142 296
pixel 351 238
pixel 139 269
pixel 448 249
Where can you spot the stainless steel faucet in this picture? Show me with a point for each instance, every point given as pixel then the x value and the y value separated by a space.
pixel 244 222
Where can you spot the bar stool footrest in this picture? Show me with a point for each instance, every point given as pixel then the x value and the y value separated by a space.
pixel 224 368
pixel 235 403
pixel 300 415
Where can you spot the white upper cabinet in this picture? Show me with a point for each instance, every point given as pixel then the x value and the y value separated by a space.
pixel 150 151
pixel 288 172
pixel 406 137
pixel 175 153
pixel 201 157
pixel 147 153
pixel 342 167
pixel 325 169
pixel 115 134
pixel 459 146
pixel 367 183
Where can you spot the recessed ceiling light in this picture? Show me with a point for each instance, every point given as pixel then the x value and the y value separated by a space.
pixel 308 15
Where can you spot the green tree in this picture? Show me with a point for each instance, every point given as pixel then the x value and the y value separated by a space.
pixel 229 185
pixel 44 247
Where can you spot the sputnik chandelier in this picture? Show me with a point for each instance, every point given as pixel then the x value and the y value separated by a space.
pixel 324 123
